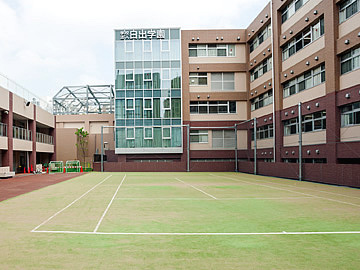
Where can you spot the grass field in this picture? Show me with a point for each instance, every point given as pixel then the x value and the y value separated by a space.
pixel 181 221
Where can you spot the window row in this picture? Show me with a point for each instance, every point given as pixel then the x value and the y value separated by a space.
pixel 148 137
pixel 348 8
pixel 148 50
pixel 264 132
pixel 148 108
pixel 291 9
pixel 199 136
pixel 262 100
pixel 350 114
pixel 261 37
pixel 212 107
pixel 220 138
pixel 310 122
pixel 211 50
pixel 307 80
pixel 303 39
pixel 261 69
pixel 148 79
pixel 350 60
pixel 219 80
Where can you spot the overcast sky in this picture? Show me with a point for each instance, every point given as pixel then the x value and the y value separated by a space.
pixel 48 44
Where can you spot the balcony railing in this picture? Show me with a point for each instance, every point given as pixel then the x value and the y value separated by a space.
pixel 3 130
pixel 44 138
pixel 22 133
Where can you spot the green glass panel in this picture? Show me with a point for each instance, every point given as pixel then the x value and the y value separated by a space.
pixel 156 107
pixel 157 137
pixel 176 137
pixel 175 107
pixel 120 138
pixel 138 108
pixel 119 108
pixel 156 80
pixel 139 137
pixel 139 84
pixel 120 82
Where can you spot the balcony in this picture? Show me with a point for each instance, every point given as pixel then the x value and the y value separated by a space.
pixel 44 138
pixel 3 137
pixel 44 143
pixel 22 134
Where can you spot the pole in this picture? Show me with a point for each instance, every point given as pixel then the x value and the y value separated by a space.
pixel 300 141
pixel 236 150
pixel 188 147
pixel 102 148
pixel 255 146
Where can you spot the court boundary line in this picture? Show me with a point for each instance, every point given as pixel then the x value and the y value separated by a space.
pixel 108 207
pixel 196 188
pixel 219 199
pixel 70 204
pixel 279 188
pixel 200 233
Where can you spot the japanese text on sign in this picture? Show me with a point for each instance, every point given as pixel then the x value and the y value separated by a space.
pixel 142 34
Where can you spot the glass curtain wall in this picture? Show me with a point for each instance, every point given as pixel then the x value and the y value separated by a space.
pixel 148 91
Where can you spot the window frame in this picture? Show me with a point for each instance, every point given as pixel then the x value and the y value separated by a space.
pixel 200 133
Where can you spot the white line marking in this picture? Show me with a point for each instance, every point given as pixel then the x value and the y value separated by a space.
pixel 107 208
pixel 66 207
pixel 328 192
pixel 200 233
pixel 278 188
pixel 196 188
pixel 206 199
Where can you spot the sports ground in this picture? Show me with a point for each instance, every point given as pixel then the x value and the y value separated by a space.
pixel 181 221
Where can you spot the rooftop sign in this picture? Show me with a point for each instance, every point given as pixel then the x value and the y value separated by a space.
pixel 140 34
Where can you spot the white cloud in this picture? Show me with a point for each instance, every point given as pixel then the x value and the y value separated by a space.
pixel 45 45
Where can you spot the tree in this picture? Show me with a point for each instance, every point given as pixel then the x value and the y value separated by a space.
pixel 82 142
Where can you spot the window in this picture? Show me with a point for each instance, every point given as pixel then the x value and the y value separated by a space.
pixel 347 9
pixel 262 100
pixel 303 39
pixel 199 136
pixel 148 133
pixel 147 45
pixel 222 81
pixel 310 122
pixel 350 114
pixel 198 78
pixel 291 9
pixel 212 107
pixel 261 69
pixel 223 139
pixel 166 132
pixel 130 133
pixel 211 50
pixel 264 132
pixel 350 60
pixel 261 37
pixel 307 80
pixel 129 46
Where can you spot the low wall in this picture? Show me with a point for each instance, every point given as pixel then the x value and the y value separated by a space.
pixel 338 174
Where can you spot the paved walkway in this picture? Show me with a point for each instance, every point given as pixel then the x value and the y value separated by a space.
pixel 21 184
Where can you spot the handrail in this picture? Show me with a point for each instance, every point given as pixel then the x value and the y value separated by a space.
pixel 44 138
pixel 3 130
pixel 22 133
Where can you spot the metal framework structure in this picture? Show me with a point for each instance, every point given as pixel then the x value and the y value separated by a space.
pixel 84 99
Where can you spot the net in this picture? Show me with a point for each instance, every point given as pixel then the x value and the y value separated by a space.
pixel 56 167
pixel 73 166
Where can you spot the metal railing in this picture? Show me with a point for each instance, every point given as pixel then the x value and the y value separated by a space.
pixel 44 138
pixel 21 91
pixel 22 133
pixel 3 130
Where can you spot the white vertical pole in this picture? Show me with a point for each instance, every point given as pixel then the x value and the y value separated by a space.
pixel 188 147
pixel 300 141
pixel 236 149
pixel 255 147
pixel 102 148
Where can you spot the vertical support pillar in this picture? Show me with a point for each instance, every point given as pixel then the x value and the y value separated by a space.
pixel 32 128
pixel 300 140
pixel 236 150
pixel 255 146
pixel 9 121
pixel 188 147
pixel 102 148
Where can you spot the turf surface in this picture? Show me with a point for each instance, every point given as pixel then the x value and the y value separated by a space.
pixel 219 203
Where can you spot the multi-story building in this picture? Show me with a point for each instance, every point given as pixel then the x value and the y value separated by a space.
pixel 297 61
pixel 27 128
